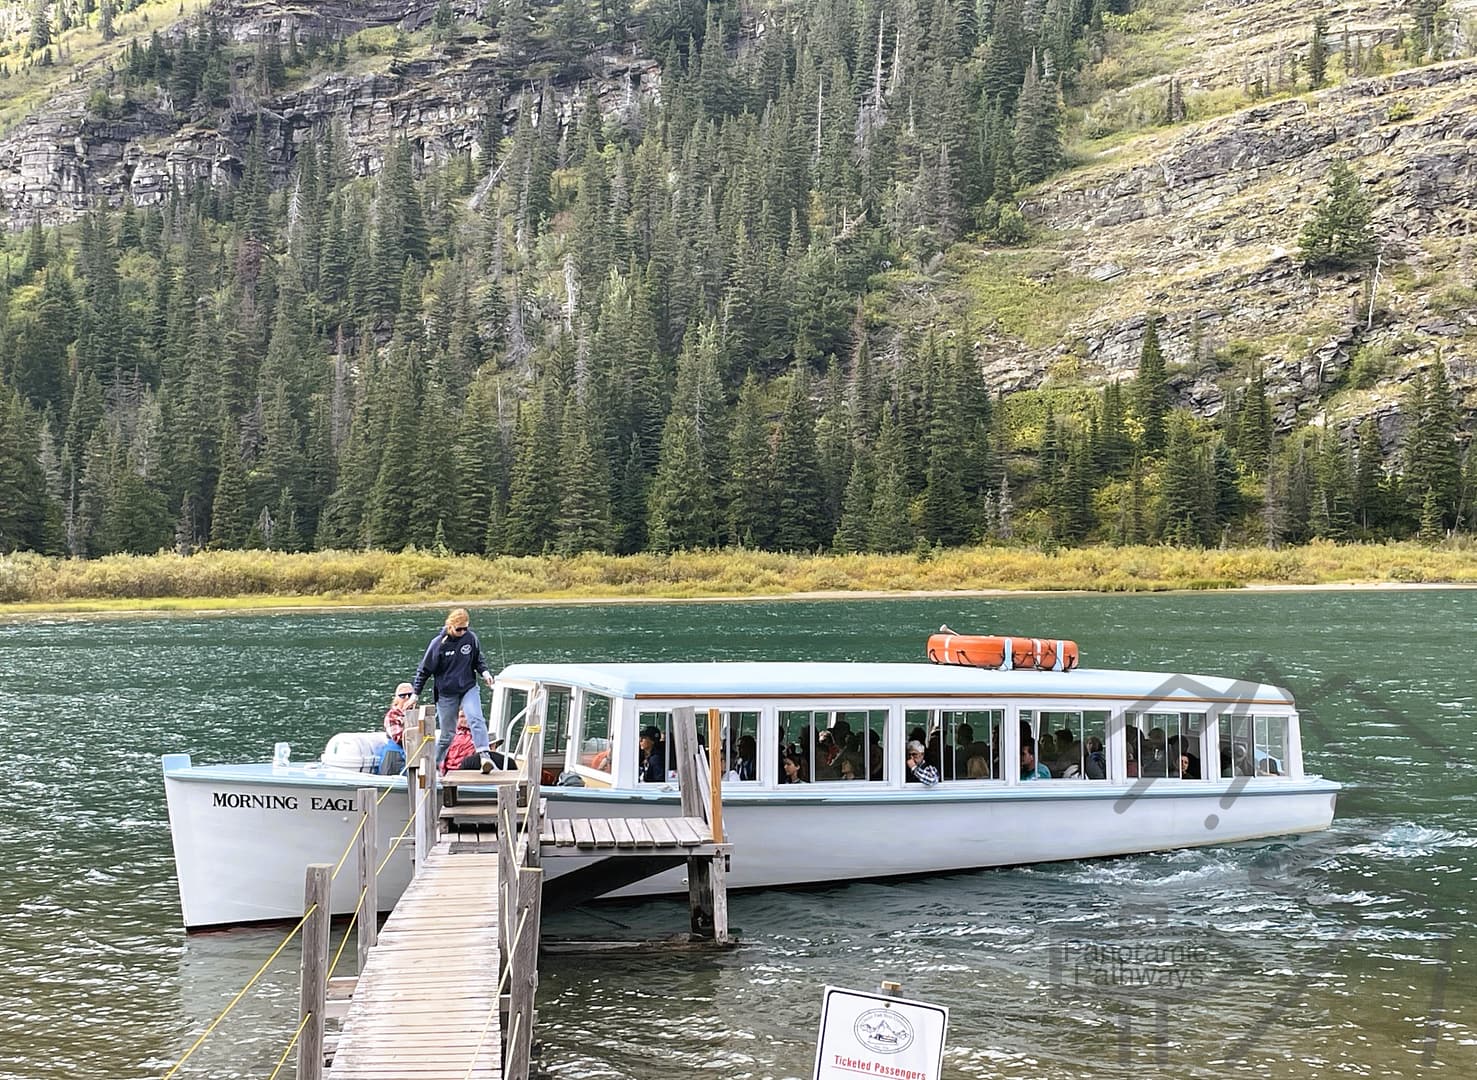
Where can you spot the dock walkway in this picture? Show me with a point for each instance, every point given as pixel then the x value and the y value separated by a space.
pixel 426 1003
pixel 446 987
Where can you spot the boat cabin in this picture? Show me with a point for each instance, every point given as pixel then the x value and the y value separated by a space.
pixel 850 725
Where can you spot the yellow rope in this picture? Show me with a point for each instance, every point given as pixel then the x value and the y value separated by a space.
pixel 347 931
pixel 353 839
pixel 410 820
pixel 242 993
pixel 293 1042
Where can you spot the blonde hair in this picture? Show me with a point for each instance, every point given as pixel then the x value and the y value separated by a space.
pixel 458 617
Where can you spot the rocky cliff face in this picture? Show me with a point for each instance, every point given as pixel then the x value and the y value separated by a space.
pixel 1201 225
pixel 64 159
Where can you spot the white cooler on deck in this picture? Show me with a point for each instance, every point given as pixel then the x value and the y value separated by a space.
pixel 357 750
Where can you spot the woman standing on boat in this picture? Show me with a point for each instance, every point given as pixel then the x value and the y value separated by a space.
pixel 454 660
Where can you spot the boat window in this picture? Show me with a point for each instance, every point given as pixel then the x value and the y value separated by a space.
pixel 1253 745
pixel 1269 745
pixel 971 741
pixel 1165 744
pixel 827 745
pixel 556 722
pixel 1071 744
pixel 514 717
pixel 740 746
pixel 856 739
pixel 595 733
pixel 654 737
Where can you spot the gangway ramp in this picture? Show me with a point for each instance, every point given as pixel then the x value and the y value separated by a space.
pixel 426 1004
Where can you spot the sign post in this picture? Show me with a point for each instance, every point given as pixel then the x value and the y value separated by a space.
pixel 864 1033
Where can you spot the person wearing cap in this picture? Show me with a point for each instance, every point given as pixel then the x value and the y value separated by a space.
pixel 653 759
pixel 395 714
pixel 454 661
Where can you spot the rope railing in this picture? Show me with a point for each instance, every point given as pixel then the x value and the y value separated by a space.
pixel 338 866
pixel 240 994
pixel 290 1044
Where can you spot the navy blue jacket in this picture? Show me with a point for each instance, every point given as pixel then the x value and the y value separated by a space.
pixel 454 662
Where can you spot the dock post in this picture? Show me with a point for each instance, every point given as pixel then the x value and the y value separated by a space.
pixel 313 989
pixel 369 904
pixel 523 976
pixel 715 776
pixel 507 867
pixel 415 734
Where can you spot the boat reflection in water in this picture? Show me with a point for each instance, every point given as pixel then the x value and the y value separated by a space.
pixel 1016 766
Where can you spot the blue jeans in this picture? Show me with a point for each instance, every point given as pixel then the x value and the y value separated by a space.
pixel 447 705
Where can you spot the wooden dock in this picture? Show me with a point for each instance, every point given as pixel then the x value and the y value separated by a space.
pixel 427 1000
pixel 446 987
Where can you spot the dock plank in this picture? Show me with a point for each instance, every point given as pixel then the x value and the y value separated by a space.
pixel 604 835
pixel 622 830
pixel 563 832
pixel 661 832
pixel 584 835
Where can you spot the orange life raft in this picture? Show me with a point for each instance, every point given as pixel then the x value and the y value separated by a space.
pixel 1005 653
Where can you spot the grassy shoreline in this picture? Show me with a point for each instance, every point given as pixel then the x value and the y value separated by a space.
pixel 263 580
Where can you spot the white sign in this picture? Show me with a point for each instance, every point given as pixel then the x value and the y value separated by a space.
pixel 864 1034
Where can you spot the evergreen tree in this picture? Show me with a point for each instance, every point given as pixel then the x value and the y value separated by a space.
pixel 230 520
pixel 1151 390
pixel 750 511
pixel 40 36
pixel 1183 485
pixel 584 521
pixel 890 528
pixel 1038 140
pixel 1340 233
pixel 1318 52
pixel 797 481
pixel 1368 472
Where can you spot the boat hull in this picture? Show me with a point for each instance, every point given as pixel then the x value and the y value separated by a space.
pixel 243 836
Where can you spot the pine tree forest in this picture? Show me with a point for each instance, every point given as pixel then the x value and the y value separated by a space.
pixel 639 330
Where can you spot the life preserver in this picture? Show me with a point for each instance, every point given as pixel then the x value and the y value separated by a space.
pixel 1005 653
pixel 601 761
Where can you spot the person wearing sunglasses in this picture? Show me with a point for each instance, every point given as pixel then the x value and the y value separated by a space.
pixel 454 661
pixel 395 714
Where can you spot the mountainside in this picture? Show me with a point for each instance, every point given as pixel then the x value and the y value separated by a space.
pixel 505 276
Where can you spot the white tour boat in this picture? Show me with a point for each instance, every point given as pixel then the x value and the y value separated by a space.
pixel 1019 766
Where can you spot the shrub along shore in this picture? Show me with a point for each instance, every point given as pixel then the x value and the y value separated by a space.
pixel 263 579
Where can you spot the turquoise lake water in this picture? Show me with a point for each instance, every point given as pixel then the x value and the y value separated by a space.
pixel 1348 952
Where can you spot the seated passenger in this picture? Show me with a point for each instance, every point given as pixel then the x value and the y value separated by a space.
pixel 977 768
pixel 1154 755
pixel 1031 769
pixel 846 768
pixel 1189 766
pixel 1097 761
pixel 874 740
pixel 963 737
pixel 395 714
pixel 461 746
pixel 747 764
pixel 919 771
pixel 653 756
pixel 792 768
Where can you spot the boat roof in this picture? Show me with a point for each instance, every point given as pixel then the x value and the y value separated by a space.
pixel 748 679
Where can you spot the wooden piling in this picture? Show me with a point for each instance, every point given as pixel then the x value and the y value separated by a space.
pixel 313 988
pixel 715 775
pixel 368 852
pixel 523 972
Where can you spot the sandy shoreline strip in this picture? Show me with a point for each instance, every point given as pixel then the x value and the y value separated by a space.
pixel 252 604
